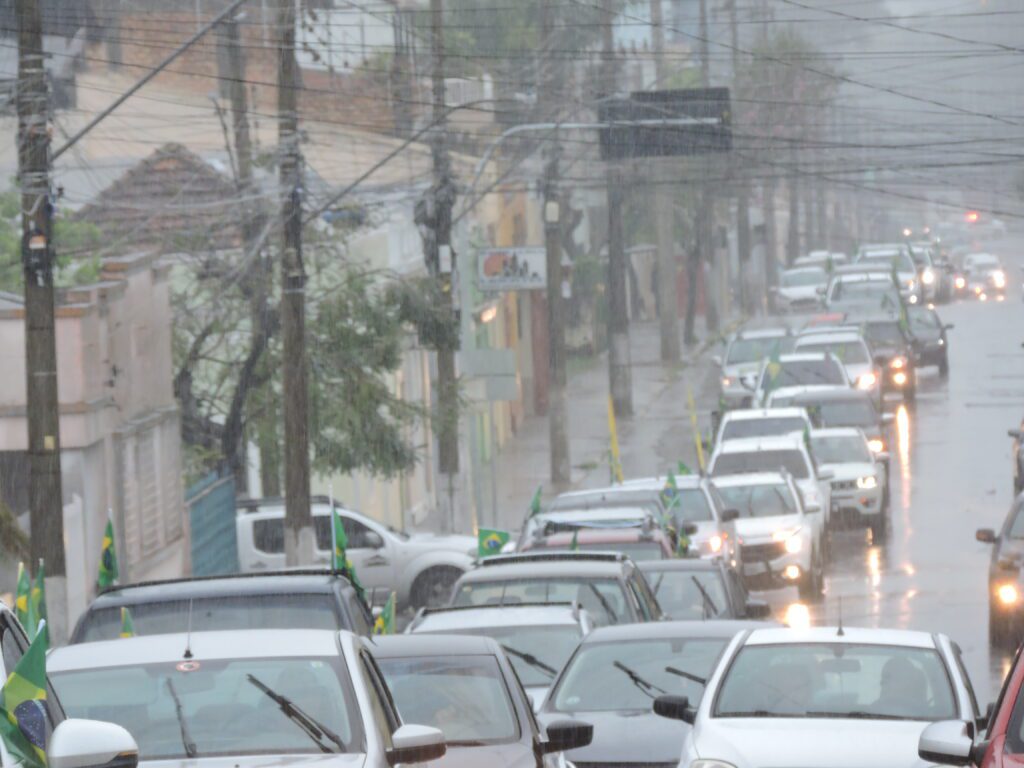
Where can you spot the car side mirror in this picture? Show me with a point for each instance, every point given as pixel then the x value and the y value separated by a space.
pixel 1015 433
pixel 757 609
pixel 373 540
pixel 948 327
pixel 826 474
pixel 717 360
pixel 947 742
pixel 985 535
pixel 728 515
pixel 77 743
pixel 675 708
pixel 416 744
pixel 563 735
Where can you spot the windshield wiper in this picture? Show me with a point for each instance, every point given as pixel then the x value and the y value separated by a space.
pixel 644 685
pixel 705 599
pixel 532 660
pixel 604 603
pixel 687 675
pixel 313 728
pixel 855 715
pixel 752 713
pixel 186 739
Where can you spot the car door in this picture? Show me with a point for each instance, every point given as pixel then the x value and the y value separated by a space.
pixel 372 552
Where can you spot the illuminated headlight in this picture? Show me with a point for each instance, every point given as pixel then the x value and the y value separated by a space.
pixel 715 543
pixel 942 342
pixel 897 363
pixel 999 278
pixel 959 282
pixel 867 483
pixel 876 445
pixel 726 382
pixel 911 284
pixel 983 297
pixel 793 543
pixel 792 572
pixel 928 276
pixel 977 289
pixel 913 298
pixel 1008 594
pixel 899 378
pixel 867 381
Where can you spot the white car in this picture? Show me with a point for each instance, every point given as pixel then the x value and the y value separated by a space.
pixel 852 352
pixel 626 515
pixel 821 259
pixel 781 544
pixel 891 259
pixel 857 291
pixel 761 422
pixel 859 480
pixel 784 397
pixel 268 696
pixel 421 567
pixel 742 361
pixel 538 639
pixel 799 290
pixel 798 369
pixel 785 453
pixel 825 697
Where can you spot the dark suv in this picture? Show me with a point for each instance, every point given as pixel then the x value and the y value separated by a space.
pixel 895 350
pixel 1005 590
pixel 286 600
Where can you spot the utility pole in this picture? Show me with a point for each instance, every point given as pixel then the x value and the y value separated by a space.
pixel 742 187
pixel 619 364
pixel 46 507
pixel 558 428
pixel 668 322
pixel 299 538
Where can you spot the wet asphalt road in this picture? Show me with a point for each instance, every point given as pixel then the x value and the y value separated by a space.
pixel 951 470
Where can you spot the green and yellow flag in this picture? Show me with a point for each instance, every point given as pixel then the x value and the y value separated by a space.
pixel 39 592
pixel 682 469
pixel 22 596
pixel 127 625
pixel 574 545
pixel 340 561
pixel 489 541
pixel 682 544
pixel 385 623
pixel 22 708
pixel 108 559
pixel 614 456
pixel 670 493
pixel 535 507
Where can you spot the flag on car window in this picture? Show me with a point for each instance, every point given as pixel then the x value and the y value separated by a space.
pixel 489 541
pixel 21 597
pixel 773 370
pixel 385 623
pixel 108 559
pixel 22 705
pixel 339 558
pixel 574 545
pixel 670 493
pixel 127 625
pixel 682 469
pixel 535 501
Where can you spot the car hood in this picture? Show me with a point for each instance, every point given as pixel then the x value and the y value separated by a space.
pixel 855 370
pixel 810 743
pixel 797 292
pixel 849 471
pixel 262 761
pixel 515 755
pixel 757 528
pixel 625 737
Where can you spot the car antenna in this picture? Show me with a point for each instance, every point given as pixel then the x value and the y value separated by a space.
pixel 188 633
pixel 839 631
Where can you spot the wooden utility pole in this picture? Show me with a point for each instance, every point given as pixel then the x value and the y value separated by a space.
pixel 661 172
pixel 299 537
pixel 46 508
pixel 558 436
pixel 739 174
pixel 619 364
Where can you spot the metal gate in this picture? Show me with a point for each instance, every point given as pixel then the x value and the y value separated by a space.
pixel 211 510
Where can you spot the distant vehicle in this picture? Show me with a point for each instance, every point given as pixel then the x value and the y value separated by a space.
pixel 821 259
pixel 420 568
pixel 761 422
pixel 894 259
pixel 798 369
pixel 934 272
pixel 466 687
pixel 1018 457
pixel 607 497
pixel 799 290
pixel 742 361
pixel 610 680
pixel 929 331
pixel 639 544
pixel 839 407
pixel 861 291
pixel 895 351
pixel 284 600
pixel 782 541
pixel 852 352
pixel 823 697
pixel 786 397
pixel 695 590
pixel 638 514
pixel 268 696
pixel 1005 582
pixel 538 639
pixel 608 586
pixel 985 276
pixel 860 482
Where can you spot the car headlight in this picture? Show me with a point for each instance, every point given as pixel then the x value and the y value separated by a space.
pixel 793 542
pixel 715 543
pixel 959 282
pixel 928 276
pixel 867 381
pixel 911 284
pixel 1008 594
pixel 999 278
pixel 867 483
pixel 876 445
pixel 726 382
pixel 711 764
pixel 942 342
pixel 899 378
pixel 898 363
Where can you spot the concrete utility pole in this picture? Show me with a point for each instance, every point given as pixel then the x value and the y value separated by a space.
pixel 619 363
pixel 706 214
pixel 299 538
pixel 740 179
pixel 46 508
pixel 668 321
pixel 558 427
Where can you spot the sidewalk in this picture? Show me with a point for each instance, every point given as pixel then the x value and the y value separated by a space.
pixel 656 438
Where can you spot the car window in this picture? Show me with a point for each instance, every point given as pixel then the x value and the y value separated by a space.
pixel 755 350
pixel 768 500
pixel 885 333
pixel 798 373
pixel 647 596
pixel 639 602
pixel 789 460
pixel 14 644
pixel 766 427
pixel 801 278
pixel 691 595
pixel 689 505
pixel 840 449
pixel 359 614
pixel 382 703
pixel 847 413
pixel 1016 528
pixel 360 536
pixel 603 599
pixel 846 352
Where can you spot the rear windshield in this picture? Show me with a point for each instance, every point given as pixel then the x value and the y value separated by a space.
pixel 846 352
pixel 285 611
pixel 804 278
pixel 769 500
pixel 634 550
pixel 767 427
pixel 846 413
pixel 604 599
pixel 799 373
pixel 902 261
pixel 887 333
pixel 791 461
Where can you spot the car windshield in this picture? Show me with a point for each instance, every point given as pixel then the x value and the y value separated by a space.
pixel 635 550
pixel 537 653
pixel 924 321
pixel 283 611
pixel 796 373
pixel 740 463
pixel 604 599
pixel 686 595
pixel 901 261
pixel 804 277
pixel 466 697
pixel 627 676
pixel 840 449
pixel 762 500
pixel 224 707
pixel 846 352
pixel 860 290
pixel 885 334
pixel 1017 528
pixel 765 427
pixel 754 350
pixel 837 680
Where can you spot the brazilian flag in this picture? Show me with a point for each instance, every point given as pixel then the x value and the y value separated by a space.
pixel 773 370
pixel 682 469
pixel 22 706
pixel 127 625
pixel 385 623
pixel 23 595
pixel 670 493
pixel 108 559
pixel 39 592
pixel 574 545
pixel 490 541
pixel 340 561
pixel 535 502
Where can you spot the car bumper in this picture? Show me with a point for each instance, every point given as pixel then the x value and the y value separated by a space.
pixel 856 507
pixel 933 354
pixel 774 573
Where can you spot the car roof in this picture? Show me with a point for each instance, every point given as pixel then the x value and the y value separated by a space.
pixel 615 493
pixel 694 564
pixel 754 414
pixel 298 581
pixel 155 649
pixel 857 635
pixel 763 333
pixel 769 443
pixel 804 268
pixel 657 630
pixel 683 482
pixel 594 514
pixel 597 535
pixel 750 478
pixel 800 389
pixel 544 565
pixel 837 432
pixel 832 394
pixel 430 644
pixel 506 615
pixel 827 337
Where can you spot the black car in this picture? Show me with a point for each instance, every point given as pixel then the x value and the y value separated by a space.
pixel 1005 588
pixel 930 333
pixel 698 589
pixel 285 600
pixel 1018 458
pixel 841 407
pixel 895 351
pixel 465 686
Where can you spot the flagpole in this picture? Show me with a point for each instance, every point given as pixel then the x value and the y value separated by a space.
pixel 334 532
